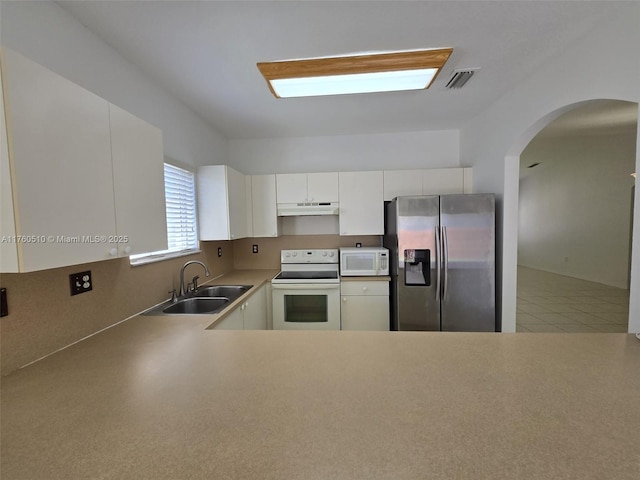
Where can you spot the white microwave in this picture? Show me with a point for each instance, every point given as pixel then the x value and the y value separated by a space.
pixel 364 262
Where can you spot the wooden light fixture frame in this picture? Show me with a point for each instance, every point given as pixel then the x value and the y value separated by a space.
pixel 370 63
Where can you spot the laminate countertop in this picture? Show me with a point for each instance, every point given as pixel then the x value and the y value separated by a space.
pixel 163 398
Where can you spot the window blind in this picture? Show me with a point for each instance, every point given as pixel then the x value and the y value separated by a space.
pixel 180 197
pixel 182 227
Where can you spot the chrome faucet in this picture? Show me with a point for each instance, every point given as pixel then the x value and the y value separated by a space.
pixel 206 271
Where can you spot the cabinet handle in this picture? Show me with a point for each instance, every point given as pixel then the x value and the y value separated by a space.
pixel 364 289
pixel 344 299
pixel 113 252
pixel 127 249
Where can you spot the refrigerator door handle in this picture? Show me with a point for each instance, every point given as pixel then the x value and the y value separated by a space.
pixel 445 255
pixel 438 263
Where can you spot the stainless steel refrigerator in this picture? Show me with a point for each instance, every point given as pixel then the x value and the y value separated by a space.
pixel 442 259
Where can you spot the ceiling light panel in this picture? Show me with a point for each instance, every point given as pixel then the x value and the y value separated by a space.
pixel 412 70
pixel 353 83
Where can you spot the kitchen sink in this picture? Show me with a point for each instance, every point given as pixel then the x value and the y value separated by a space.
pixel 198 305
pixel 208 299
pixel 229 291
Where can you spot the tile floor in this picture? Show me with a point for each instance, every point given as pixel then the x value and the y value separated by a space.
pixel 554 303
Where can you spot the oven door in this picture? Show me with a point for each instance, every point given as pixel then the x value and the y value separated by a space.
pixel 306 306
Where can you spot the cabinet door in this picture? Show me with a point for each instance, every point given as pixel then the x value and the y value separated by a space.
pixel 361 203
pixel 399 183
pixel 222 208
pixel 291 187
pixel 8 250
pixel 248 191
pixel 233 321
pixel 61 161
pixel 365 312
pixel 467 175
pixel 213 204
pixel 138 177
pixel 255 311
pixel 442 181
pixel 322 187
pixel 265 216
pixel 237 204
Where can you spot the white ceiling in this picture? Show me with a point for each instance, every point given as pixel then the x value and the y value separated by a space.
pixel 205 53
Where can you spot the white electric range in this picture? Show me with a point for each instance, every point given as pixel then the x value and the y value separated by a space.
pixel 306 293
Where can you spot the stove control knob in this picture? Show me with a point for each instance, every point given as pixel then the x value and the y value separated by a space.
pixel 287 254
pixel 295 254
pixel 324 254
pixel 331 254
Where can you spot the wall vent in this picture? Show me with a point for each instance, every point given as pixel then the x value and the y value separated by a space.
pixel 460 77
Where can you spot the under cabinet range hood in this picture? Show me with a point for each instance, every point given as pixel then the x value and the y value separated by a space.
pixel 310 208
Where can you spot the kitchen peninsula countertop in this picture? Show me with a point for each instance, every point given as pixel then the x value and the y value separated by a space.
pixel 163 398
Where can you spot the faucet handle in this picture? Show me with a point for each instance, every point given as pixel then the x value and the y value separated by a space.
pixel 195 282
pixel 174 296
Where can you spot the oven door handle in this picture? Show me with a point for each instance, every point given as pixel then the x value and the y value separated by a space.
pixel 308 286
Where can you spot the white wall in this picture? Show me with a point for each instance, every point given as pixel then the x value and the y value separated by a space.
pixel 601 65
pixel 45 33
pixel 425 149
pixel 575 206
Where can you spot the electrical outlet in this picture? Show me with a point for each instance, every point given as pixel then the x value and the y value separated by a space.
pixel 219 251
pixel 255 249
pixel 80 282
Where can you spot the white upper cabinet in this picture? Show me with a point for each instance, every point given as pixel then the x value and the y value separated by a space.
pixel 248 192
pixel 401 183
pixel 322 187
pixel 72 201
pixel 8 250
pixel 468 179
pixel 307 187
pixel 265 220
pixel 60 158
pixel 136 151
pixel 441 181
pixel 222 208
pixel 361 203
pixel 434 181
pixel 291 187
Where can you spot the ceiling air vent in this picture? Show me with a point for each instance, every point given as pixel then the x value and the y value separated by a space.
pixel 460 77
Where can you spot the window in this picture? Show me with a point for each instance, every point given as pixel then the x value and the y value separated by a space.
pixel 182 228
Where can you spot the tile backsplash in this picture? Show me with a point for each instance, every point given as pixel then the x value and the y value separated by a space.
pixel 268 255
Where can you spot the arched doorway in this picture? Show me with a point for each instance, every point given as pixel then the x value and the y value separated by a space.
pixel 510 217
pixel 575 202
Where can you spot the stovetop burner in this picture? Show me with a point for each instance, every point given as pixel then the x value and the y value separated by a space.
pixel 308 266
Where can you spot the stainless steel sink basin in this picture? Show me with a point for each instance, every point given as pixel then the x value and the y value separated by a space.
pixel 230 291
pixel 207 299
pixel 198 305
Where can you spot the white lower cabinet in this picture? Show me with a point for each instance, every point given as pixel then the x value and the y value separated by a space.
pixel 233 321
pixel 365 305
pixel 249 315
